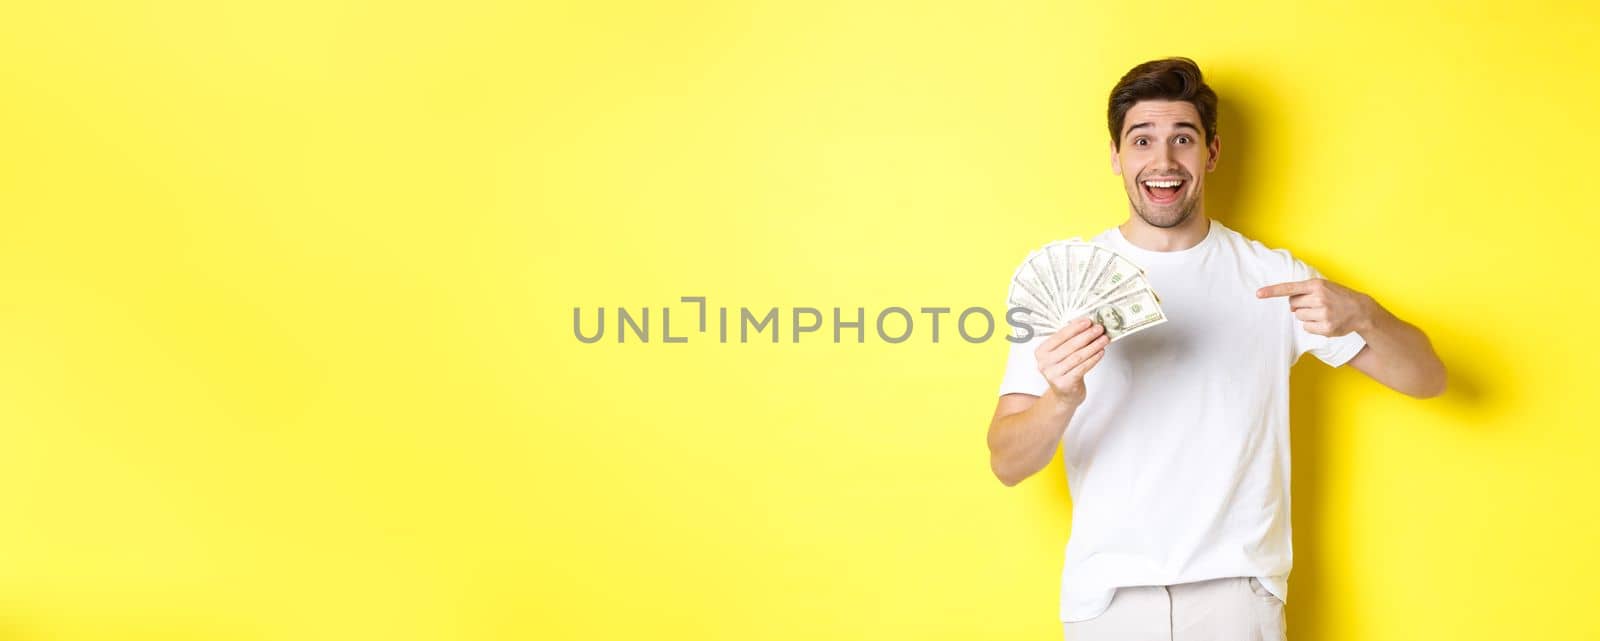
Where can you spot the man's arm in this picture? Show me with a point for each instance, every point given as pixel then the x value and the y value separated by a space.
pixel 1025 432
pixel 1026 429
pixel 1397 353
pixel 1400 356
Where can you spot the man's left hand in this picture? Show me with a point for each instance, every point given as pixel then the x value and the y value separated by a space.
pixel 1325 307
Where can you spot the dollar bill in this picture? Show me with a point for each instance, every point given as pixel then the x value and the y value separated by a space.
pixel 1078 259
pixel 1029 291
pixel 1128 314
pixel 1058 267
pixel 1120 277
pixel 1040 265
pixel 1070 279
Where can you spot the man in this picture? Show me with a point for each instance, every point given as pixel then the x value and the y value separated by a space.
pixel 1176 440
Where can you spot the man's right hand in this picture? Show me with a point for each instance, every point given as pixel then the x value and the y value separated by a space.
pixel 1026 429
pixel 1067 356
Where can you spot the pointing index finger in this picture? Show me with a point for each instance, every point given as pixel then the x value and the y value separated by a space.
pixel 1284 289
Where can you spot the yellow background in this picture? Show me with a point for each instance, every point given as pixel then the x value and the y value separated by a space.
pixel 286 297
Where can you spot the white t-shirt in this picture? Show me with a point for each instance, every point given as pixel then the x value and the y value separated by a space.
pixel 1178 459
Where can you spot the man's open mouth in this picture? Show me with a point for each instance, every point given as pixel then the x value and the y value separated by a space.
pixel 1162 191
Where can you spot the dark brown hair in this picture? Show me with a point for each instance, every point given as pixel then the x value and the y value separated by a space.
pixel 1176 79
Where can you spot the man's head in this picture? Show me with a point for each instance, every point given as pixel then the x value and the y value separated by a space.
pixel 1163 122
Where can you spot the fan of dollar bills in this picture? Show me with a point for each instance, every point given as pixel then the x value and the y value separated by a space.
pixel 1070 279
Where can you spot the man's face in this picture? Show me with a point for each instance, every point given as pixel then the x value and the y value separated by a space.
pixel 1163 161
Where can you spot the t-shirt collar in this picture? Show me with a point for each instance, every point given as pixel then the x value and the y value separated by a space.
pixel 1141 255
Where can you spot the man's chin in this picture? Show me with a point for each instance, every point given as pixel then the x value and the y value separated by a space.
pixel 1166 220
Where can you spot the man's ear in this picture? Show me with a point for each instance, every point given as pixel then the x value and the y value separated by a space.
pixel 1216 150
pixel 1116 167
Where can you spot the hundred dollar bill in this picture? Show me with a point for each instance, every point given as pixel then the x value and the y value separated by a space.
pixel 1035 315
pixel 1070 279
pixel 1042 268
pixel 1078 257
pixel 1099 260
pixel 1128 314
pixel 1120 277
pixel 1029 292
pixel 1058 267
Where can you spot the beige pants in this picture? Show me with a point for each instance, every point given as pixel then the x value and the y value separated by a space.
pixel 1232 609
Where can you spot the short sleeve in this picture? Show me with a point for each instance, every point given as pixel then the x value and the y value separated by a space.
pixel 1022 369
pixel 1335 351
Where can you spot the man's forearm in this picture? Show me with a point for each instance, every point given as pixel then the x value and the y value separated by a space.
pixel 1023 443
pixel 1402 357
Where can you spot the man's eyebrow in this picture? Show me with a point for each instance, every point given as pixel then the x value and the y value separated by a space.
pixel 1178 125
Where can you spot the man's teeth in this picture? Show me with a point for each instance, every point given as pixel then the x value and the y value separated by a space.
pixel 1163 183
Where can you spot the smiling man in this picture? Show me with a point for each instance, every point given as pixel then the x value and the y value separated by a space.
pixel 1176 440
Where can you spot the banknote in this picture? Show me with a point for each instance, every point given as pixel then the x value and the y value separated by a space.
pixel 1128 314
pixel 1071 279
pixel 1120 276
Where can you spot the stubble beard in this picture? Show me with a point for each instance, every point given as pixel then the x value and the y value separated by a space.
pixel 1164 218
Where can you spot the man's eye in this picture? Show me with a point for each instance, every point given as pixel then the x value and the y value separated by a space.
pixel 1139 141
pixel 1183 140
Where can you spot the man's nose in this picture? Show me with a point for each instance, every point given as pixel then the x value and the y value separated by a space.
pixel 1166 158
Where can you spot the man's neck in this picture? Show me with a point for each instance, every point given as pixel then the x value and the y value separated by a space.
pixel 1158 239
